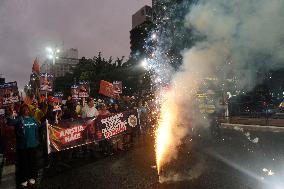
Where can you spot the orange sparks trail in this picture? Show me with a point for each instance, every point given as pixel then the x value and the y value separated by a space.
pixel 164 133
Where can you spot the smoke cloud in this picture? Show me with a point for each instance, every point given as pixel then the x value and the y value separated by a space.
pixel 238 40
pixel 241 38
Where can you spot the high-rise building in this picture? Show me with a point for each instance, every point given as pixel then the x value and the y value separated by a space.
pixel 64 64
pixel 168 16
pixel 141 16
pixel 142 25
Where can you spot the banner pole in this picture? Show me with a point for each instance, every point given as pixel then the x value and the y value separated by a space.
pixel 47 138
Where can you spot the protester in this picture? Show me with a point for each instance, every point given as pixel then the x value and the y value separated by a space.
pixel 89 110
pixel 143 116
pixel 26 129
pixel 115 109
pixel 103 110
pixel 69 109
pixel 38 112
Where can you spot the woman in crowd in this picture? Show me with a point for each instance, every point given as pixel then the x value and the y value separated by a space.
pixel 26 129
pixel 115 109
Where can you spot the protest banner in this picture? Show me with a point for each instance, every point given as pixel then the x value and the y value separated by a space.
pixel 69 134
pixel 66 135
pixel 9 93
pixel 75 92
pixel 46 82
pixel 117 87
pixel 110 126
pixel 83 89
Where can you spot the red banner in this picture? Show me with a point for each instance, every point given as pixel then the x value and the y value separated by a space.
pixel 69 134
pixel 107 89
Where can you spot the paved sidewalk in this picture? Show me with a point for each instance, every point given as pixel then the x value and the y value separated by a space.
pixel 8 177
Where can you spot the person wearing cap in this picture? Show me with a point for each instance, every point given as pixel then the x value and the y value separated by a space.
pixel 89 110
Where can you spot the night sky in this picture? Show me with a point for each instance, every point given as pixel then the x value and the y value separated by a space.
pixel 27 27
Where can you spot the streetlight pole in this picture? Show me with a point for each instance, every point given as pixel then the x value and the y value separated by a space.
pixel 52 54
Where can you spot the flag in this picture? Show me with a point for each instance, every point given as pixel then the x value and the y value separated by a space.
pixel 28 100
pixel 106 88
pixel 35 68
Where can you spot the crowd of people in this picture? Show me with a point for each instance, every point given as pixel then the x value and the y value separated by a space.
pixel 29 118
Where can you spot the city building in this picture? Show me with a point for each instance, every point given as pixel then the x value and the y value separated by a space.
pixel 142 26
pixel 168 17
pixel 63 64
pixel 141 16
pixel 2 79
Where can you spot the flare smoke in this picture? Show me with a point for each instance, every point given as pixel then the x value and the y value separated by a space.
pixel 239 39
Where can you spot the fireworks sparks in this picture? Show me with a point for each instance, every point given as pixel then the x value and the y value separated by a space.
pixel 164 131
pixel 268 172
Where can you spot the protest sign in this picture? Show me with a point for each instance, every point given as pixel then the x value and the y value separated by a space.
pixel 75 92
pixel 46 82
pixel 58 96
pixel 83 89
pixel 9 93
pixel 117 87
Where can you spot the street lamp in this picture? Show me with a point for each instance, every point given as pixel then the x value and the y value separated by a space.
pixel 53 53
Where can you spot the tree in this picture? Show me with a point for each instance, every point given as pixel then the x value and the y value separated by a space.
pixel 98 68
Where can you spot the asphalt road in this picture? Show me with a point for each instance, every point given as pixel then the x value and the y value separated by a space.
pixel 236 160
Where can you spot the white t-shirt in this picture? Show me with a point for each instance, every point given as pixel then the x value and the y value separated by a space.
pixel 89 112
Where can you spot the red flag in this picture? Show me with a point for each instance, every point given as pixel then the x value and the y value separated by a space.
pixel 36 68
pixel 106 88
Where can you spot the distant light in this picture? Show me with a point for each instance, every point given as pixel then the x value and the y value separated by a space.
pixel 57 57
pixel 48 49
pixel 58 50
pixel 50 56
pixel 154 36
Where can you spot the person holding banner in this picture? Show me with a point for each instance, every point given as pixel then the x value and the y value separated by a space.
pixel 89 110
pixel 26 129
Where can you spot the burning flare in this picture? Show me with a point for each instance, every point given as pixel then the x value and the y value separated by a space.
pixel 164 133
